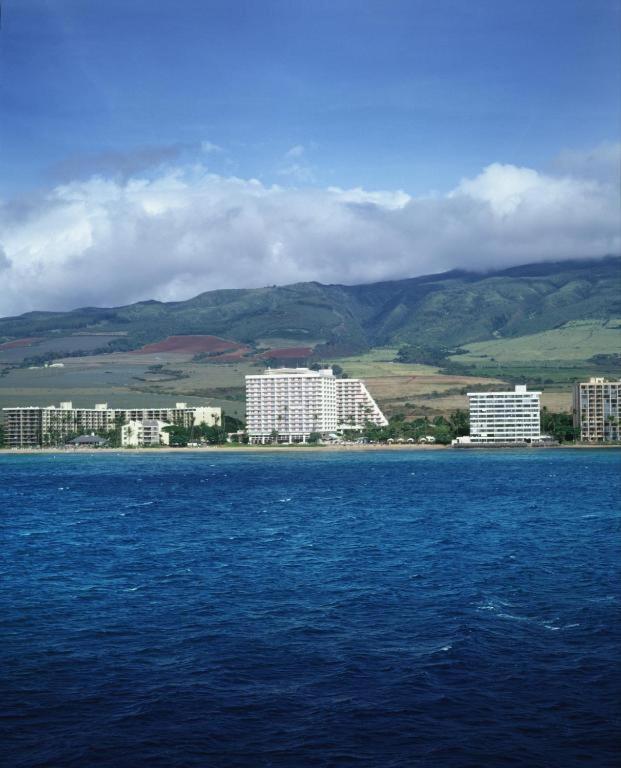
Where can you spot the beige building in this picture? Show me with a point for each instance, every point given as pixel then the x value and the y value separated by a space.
pixel 31 426
pixel 293 403
pixel 596 410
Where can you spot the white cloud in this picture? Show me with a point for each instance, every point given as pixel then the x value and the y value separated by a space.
pixel 295 168
pixel 4 260
pixel 601 163
pixel 208 147
pixel 103 241
pixel 389 200
pixel 303 174
pixel 296 151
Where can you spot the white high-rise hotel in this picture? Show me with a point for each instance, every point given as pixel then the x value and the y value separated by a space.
pixel 295 402
pixel 504 417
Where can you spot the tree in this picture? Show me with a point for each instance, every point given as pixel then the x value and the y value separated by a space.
pixel 1 436
pixel 459 423
pixel 314 438
pixel 113 436
pixel 559 425
pixel 423 353
pixel 178 436
pixel 212 435
pixel 232 424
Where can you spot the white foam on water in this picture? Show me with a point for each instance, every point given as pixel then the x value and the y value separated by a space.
pixel 513 617
pixel 492 605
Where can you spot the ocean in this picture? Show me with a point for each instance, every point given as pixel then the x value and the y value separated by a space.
pixel 439 609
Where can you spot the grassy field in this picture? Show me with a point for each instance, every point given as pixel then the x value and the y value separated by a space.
pixel 556 401
pixel 554 359
pixel 123 380
pixel 379 362
pixel 572 343
pixel 126 380
pixel 410 388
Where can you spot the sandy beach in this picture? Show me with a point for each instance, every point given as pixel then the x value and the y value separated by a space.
pixel 238 449
pixel 254 449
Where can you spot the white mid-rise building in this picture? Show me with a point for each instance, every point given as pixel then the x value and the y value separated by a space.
pixel 290 404
pixel 505 417
pixel 148 433
pixel 32 426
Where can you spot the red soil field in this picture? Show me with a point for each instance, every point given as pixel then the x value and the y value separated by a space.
pixel 192 344
pixel 20 342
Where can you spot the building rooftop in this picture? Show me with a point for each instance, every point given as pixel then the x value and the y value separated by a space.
pixel 88 440
pixel 520 389
pixel 304 372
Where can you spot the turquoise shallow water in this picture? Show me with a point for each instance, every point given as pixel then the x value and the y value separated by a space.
pixel 381 609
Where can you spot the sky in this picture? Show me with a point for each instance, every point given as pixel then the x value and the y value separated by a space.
pixel 157 150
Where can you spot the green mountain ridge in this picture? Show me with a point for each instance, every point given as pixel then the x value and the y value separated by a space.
pixel 449 309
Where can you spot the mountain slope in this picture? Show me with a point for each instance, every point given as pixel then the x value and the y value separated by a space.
pixel 451 309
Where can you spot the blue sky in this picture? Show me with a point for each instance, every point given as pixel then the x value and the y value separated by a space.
pixel 367 96
pixel 407 94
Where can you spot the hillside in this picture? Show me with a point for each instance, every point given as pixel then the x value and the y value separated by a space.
pixel 450 309
pixel 545 325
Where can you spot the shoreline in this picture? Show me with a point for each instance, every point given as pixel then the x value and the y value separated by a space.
pixel 223 449
pixel 254 449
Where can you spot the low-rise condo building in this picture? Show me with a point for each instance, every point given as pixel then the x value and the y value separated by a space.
pixel 290 404
pixel 32 426
pixel 148 433
pixel 597 410
pixel 505 417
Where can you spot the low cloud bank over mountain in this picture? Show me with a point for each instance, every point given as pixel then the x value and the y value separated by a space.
pixel 184 230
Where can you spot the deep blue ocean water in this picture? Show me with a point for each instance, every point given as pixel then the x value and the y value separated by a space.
pixel 444 609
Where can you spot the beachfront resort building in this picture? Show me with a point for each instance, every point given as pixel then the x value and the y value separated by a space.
pixel 144 434
pixel 504 417
pixel 32 426
pixel 596 410
pixel 355 406
pixel 290 404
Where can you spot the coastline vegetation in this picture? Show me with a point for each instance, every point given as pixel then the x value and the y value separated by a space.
pixel 180 436
pixel 439 429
